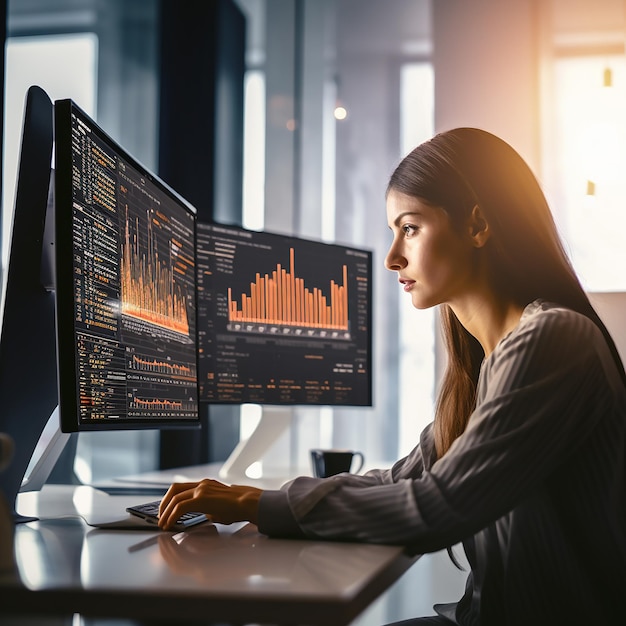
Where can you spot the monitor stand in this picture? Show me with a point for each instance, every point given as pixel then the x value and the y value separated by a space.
pixel 45 456
pixel 235 470
pixel 51 444
pixel 274 422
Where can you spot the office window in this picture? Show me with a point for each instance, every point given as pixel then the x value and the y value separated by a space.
pixel 325 177
pixel 254 150
pixel 416 346
pixel 109 67
pixel 585 165
pixel 35 61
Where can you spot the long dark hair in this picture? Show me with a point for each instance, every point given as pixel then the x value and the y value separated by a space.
pixel 457 170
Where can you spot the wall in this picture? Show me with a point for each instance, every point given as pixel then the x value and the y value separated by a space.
pixel 486 69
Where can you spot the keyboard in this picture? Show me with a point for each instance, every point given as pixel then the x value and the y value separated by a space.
pixel 150 512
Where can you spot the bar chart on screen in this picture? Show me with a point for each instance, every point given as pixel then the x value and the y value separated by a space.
pixel 282 319
pixel 282 298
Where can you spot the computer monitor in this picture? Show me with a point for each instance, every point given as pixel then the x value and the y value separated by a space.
pixel 124 351
pixel 283 320
pixel 125 286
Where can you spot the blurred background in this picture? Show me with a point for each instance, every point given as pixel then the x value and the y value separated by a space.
pixel 306 107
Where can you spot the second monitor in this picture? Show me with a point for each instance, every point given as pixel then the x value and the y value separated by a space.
pixel 125 286
pixel 282 320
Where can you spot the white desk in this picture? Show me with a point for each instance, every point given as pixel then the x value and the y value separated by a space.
pixel 216 574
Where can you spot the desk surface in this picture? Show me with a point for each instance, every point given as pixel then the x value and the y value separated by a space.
pixel 214 573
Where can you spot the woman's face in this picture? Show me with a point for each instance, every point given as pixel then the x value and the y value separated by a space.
pixel 435 264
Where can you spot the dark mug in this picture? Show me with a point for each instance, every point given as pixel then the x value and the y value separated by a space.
pixel 330 462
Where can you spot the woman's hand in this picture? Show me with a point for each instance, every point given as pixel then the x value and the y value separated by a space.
pixel 221 503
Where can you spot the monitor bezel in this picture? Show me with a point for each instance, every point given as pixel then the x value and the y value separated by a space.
pixel 65 331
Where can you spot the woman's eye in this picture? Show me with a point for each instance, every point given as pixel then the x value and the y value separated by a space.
pixel 409 230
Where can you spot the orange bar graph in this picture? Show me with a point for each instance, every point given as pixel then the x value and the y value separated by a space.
pixel 281 298
pixel 156 404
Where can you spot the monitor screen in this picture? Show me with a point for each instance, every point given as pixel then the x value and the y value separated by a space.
pixel 125 286
pixel 282 319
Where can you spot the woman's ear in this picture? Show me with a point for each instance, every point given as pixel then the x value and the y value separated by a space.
pixel 478 227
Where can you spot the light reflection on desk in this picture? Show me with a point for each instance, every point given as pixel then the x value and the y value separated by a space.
pixel 200 559
pixel 49 551
pixel 66 566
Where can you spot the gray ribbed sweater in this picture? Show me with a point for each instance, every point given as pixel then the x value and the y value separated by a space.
pixel 535 488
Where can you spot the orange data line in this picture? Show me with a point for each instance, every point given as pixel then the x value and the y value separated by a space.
pixel 148 289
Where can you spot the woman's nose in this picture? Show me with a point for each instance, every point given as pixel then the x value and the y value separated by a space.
pixel 394 261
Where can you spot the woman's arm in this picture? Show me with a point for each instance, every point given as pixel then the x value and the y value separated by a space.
pixel 543 393
pixel 227 504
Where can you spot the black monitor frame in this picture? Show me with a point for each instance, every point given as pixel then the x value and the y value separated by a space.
pixel 110 331
pixel 28 381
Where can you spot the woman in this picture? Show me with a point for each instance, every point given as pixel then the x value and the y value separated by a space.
pixel 524 462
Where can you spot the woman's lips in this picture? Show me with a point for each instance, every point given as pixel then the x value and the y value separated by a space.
pixel 406 283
